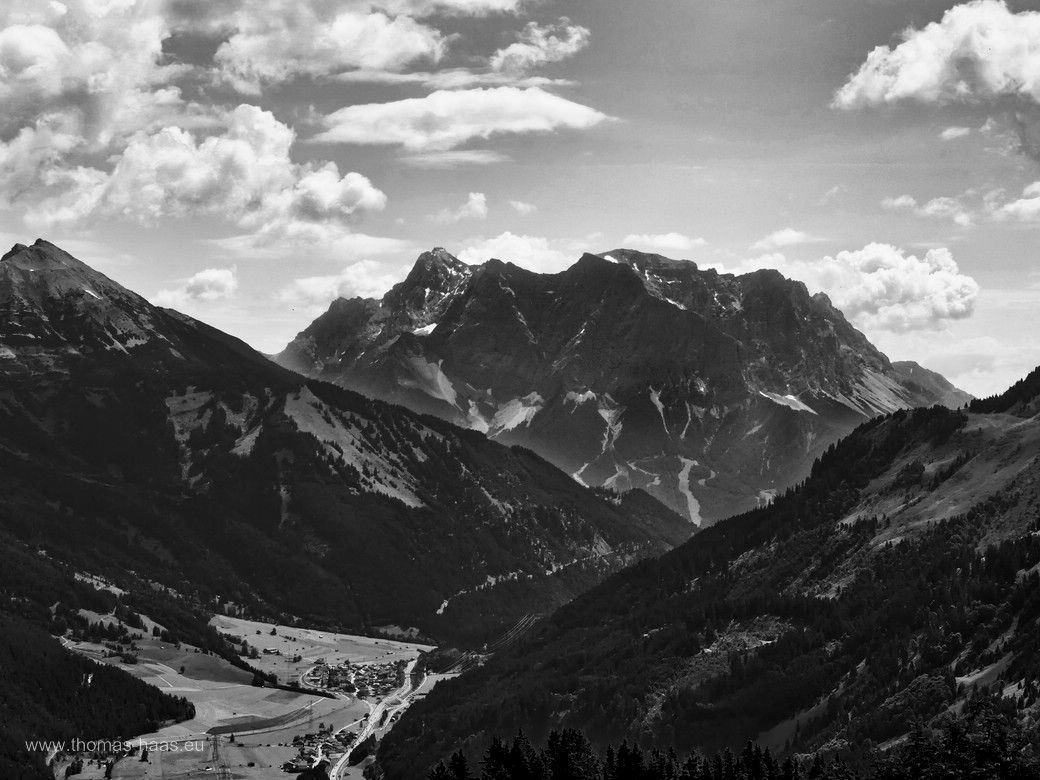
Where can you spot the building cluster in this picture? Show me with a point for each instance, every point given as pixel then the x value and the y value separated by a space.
pixel 313 746
pixel 362 680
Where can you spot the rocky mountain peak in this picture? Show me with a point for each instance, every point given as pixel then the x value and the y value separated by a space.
pixel 56 312
pixel 15 250
pixel 49 298
pixel 436 268
pixel 629 369
pixel 44 257
pixel 435 275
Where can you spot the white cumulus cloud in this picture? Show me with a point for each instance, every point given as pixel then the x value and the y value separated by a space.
pixel 883 288
pixel 475 207
pixel 210 284
pixel 522 207
pixel 533 252
pixel 977 51
pixel 97 65
pixel 538 45
pixel 365 278
pixel 243 175
pixel 944 207
pixel 783 238
pixel 276 43
pixel 1023 209
pixel 446 119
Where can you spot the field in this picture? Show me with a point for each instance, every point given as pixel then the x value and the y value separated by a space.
pixel 311 645
pixel 263 721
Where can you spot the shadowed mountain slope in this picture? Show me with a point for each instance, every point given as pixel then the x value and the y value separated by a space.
pixel 900 578
pixel 136 438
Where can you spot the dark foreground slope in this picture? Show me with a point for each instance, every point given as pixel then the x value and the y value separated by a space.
pixel 51 694
pixel 133 438
pixel 710 391
pixel 900 578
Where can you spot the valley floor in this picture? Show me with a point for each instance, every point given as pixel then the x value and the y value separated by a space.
pixel 271 727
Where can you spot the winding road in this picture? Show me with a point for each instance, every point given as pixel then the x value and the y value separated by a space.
pixel 375 714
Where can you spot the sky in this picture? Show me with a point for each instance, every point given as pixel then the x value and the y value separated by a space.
pixel 248 161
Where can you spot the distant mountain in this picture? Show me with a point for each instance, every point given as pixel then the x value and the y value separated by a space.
pixel 710 391
pixel 899 581
pixel 136 438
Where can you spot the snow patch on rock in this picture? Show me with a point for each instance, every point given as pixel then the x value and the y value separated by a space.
pixel 513 414
pixel 790 401
pixel 693 506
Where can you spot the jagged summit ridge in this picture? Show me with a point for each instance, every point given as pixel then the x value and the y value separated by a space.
pixel 712 391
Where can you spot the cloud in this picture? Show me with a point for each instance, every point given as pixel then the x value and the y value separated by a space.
pixel 979 53
pixel 244 176
pixel 972 206
pixel 277 44
pixel 1023 209
pixel 944 207
pixel 425 8
pixel 532 252
pixel 475 207
pixel 953 133
pixel 365 278
pixel 538 45
pixel 522 208
pixel 98 64
pixel 446 119
pixel 210 284
pixel 662 242
pixel 453 159
pixel 886 288
pixel 783 238
pixel 453 78
pixel 882 288
pixel 833 194
pixel 212 18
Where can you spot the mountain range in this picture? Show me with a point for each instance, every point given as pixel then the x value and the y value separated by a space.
pixel 134 438
pixel 899 582
pixel 895 580
pixel 712 392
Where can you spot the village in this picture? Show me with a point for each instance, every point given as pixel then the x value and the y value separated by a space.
pixel 305 695
pixel 363 680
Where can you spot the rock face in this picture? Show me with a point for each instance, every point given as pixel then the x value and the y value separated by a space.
pixel 156 443
pixel 710 391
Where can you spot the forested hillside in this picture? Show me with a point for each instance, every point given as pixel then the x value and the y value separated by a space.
pixel 986 740
pixel 898 579
pixel 52 694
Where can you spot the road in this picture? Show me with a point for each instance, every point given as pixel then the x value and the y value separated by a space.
pixel 304 673
pixel 375 714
